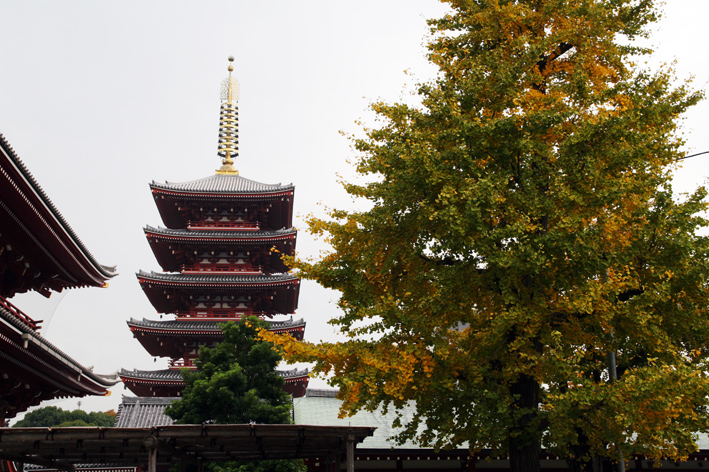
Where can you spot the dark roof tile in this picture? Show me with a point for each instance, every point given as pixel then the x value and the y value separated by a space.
pixel 204 325
pixel 170 375
pixel 143 412
pixel 216 278
pixel 187 233
pixel 221 183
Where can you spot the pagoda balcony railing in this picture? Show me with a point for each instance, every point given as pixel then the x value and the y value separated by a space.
pixel 217 313
pixel 221 268
pixel 19 314
pixel 181 364
pixel 223 225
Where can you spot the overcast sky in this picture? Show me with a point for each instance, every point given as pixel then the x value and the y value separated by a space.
pixel 99 99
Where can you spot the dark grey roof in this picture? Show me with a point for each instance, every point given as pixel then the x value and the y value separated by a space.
pixel 106 271
pixel 217 278
pixel 34 338
pixel 170 375
pixel 293 373
pixel 143 412
pixel 223 183
pixel 210 235
pixel 204 325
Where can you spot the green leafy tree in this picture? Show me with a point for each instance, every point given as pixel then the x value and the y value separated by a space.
pixel 521 227
pixel 50 416
pixel 236 383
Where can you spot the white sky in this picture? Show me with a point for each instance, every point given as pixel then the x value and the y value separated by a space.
pixel 98 99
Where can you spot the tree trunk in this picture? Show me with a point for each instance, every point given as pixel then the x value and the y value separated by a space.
pixel 582 460
pixel 524 436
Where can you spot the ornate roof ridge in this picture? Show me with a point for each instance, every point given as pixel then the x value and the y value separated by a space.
pixel 176 324
pixel 106 271
pixel 163 374
pixel 216 278
pixel 222 183
pixel 211 234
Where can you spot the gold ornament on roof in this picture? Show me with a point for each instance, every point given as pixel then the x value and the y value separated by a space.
pixel 229 123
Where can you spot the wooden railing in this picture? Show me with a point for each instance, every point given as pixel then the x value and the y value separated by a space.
pixel 223 225
pixel 221 313
pixel 222 268
pixel 19 314
pixel 181 364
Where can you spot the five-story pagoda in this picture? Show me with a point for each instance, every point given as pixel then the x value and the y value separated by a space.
pixel 221 252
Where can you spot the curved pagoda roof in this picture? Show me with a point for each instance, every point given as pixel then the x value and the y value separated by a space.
pixel 217 280
pixel 170 375
pixel 168 338
pixel 176 200
pixel 178 326
pixel 219 237
pixel 223 184
pixel 169 383
pixel 175 247
pixel 169 293
pixel 40 250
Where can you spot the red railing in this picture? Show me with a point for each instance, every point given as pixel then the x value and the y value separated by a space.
pixel 216 313
pixel 181 364
pixel 222 268
pixel 223 225
pixel 19 314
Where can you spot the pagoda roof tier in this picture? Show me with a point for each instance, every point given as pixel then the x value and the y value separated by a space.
pixel 271 294
pixel 220 237
pixel 33 370
pixel 171 338
pixel 174 199
pixel 169 383
pixel 221 184
pixel 154 383
pixel 38 249
pixel 174 248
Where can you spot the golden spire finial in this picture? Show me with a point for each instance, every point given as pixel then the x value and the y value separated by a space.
pixel 229 123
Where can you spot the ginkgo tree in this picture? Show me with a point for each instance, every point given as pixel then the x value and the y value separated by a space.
pixel 521 233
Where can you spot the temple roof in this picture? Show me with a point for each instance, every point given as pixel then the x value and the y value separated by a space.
pixel 30 360
pixel 47 347
pixel 217 279
pixel 209 236
pixel 221 183
pixel 143 412
pixel 318 407
pixel 179 325
pixel 50 253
